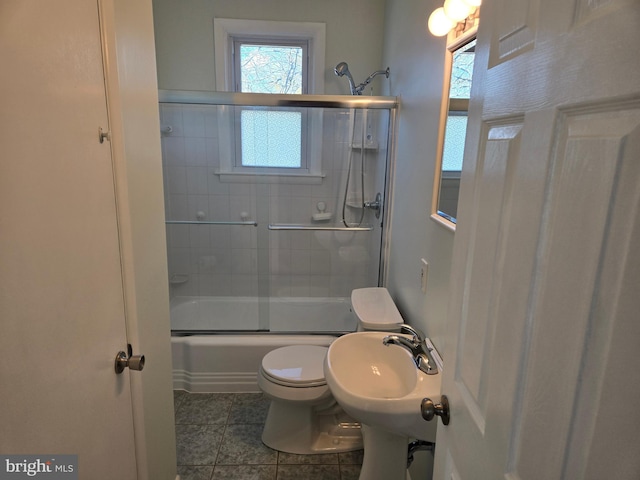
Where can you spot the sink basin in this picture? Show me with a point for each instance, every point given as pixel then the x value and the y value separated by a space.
pixel 380 385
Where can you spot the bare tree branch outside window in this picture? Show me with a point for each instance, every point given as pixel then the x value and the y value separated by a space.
pixel 462 71
pixel 271 69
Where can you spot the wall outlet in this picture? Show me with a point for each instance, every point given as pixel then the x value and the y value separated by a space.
pixel 424 270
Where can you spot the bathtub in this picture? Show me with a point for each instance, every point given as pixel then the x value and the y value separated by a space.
pixel 277 314
pixel 227 363
pixel 228 359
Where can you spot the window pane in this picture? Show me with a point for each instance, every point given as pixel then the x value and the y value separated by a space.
pixel 270 69
pixel 454 142
pixel 462 70
pixel 271 138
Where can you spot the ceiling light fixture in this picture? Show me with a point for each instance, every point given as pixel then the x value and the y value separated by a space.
pixel 443 19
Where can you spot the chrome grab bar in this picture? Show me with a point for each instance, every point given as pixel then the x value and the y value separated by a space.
pixel 198 222
pixel 274 226
pixel 291 226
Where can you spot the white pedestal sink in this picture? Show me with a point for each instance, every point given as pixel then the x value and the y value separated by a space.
pixel 381 387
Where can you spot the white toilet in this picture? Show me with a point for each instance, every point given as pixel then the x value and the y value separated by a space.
pixel 303 417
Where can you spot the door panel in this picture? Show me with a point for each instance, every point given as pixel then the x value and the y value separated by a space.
pixel 516 32
pixel 542 310
pixel 571 244
pixel 500 147
pixel 61 300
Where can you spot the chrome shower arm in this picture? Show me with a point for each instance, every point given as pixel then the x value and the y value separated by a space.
pixel 342 70
pixel 360 88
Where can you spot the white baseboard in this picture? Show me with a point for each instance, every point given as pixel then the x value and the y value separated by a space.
pixel 212 382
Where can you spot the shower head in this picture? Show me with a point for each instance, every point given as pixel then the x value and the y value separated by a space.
pixel 342 69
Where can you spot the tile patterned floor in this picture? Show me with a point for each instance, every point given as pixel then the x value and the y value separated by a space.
pixel 218 438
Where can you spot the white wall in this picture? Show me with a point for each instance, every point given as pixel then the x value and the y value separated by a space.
pixel 184 37
pixel 416 60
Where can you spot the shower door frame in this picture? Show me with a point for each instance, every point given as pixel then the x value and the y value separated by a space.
pixel 234 99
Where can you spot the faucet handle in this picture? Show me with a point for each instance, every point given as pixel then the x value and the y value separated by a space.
pixel 418 336
pixel 426 364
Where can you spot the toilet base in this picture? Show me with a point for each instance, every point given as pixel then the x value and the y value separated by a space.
pixel 304 429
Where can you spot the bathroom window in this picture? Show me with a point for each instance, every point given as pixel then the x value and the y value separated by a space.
pixel 270 65
pixel 270 139
pixel 273 58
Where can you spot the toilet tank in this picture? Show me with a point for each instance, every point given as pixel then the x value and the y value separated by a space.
pixel 375 310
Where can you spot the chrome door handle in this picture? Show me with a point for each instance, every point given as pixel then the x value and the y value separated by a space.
pixel 134 362
pixel 429 410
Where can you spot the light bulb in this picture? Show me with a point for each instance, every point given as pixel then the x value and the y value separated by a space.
pixel 473 3
pixel 439 24
pixel 457 10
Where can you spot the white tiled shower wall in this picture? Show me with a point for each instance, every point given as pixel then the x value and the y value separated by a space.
pixel 224 260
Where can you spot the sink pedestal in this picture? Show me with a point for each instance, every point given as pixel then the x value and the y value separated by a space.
pixel 385 455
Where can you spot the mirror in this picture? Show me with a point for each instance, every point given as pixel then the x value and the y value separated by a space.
pixel 453 128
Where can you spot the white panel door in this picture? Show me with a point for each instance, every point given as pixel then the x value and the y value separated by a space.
pixel 541 360
pixel 61 295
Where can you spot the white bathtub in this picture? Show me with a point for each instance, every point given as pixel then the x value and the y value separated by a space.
pixel 229 362
pixel 279 314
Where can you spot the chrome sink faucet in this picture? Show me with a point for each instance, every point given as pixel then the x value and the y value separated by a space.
pixel 416 345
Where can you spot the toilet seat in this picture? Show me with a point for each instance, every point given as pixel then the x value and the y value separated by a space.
pixel 297 366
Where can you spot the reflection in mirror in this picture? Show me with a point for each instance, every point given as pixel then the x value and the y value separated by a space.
pixel 454 120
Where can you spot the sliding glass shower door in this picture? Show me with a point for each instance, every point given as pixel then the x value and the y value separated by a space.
pixel 271 238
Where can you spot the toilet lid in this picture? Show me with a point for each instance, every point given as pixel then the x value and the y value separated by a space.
pixel 296 365
pixel 375 309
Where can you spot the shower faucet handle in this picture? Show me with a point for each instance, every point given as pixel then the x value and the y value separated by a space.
pixel 376 205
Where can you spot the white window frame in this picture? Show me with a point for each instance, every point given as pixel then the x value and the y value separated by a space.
pixel 225 31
